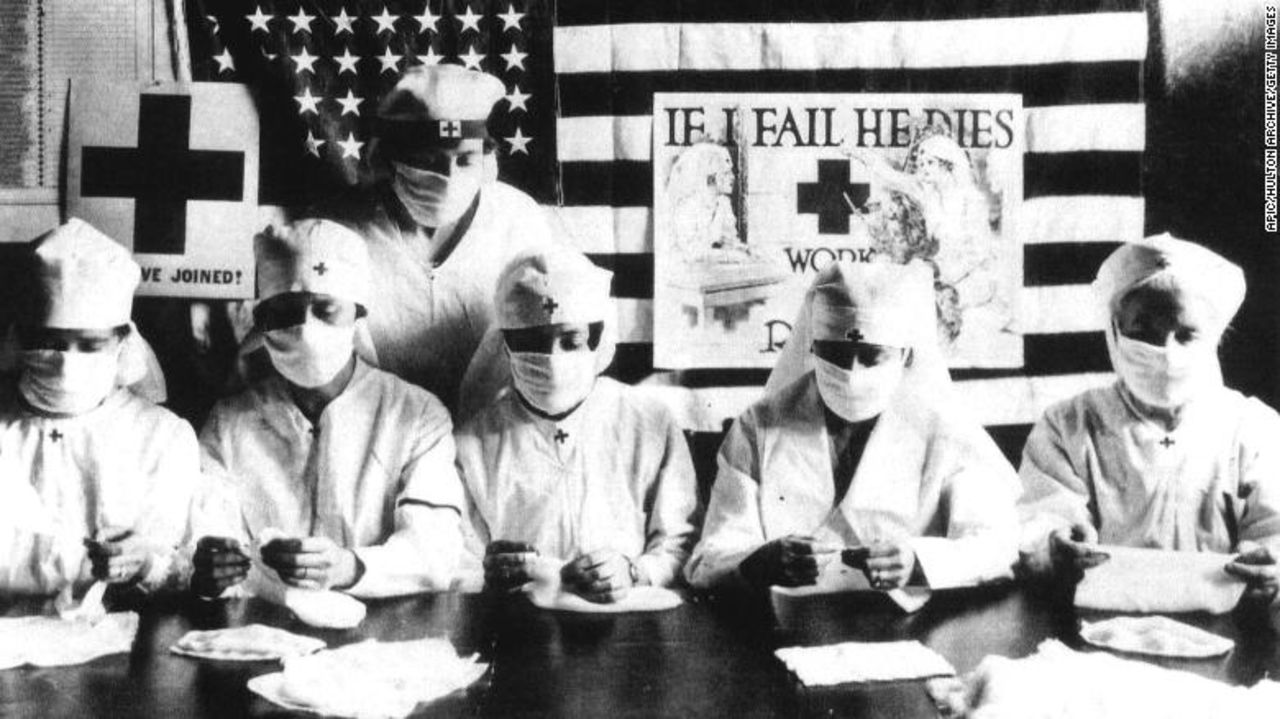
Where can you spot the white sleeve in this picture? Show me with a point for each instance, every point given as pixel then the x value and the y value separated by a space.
pixel 733 529
pixel 979 498
pixel 673 519
pixel 422 552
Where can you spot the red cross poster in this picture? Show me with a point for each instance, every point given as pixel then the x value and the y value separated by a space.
pixel 171 172
pixel 755 193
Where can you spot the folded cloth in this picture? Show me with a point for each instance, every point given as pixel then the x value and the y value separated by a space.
pixel 863 662
pixel 51 642
pixel 1155 635
pixel 370 680
pixel 638 599
pixel 316 607
pixel 1157 581
pixel 1059 683
pixel 252 643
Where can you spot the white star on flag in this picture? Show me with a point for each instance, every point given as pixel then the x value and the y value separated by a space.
pixel 515 58
pixel 350 146
pixel 516 99
pixel 343 21
pixel 302 21
pixel 426 18
pixel 511 18
pixel 389 61
pixel 313 144
pixel 350 103
pixel 307 102
pixel 519 143
pixel 386 22
pixel 347 63
pixel 259 20
pixel 431 58
pixel 470 20
pixel 471 59
pixel 225 63
pixel 304 61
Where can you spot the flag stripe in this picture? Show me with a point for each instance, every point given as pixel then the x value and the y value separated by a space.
pixel 593 12
pixel 683 46
pixel 1049 129
pixel 631 93
pixel 1062 219
pixel 625 183
pixel 1115 126
pixel 1081 219
pixel 603 229
pixel 632 273
pixel 1082 173
pixel 1063 263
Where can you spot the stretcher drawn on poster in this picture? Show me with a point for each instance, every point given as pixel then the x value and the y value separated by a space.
pixel 171 172
pixel 754 193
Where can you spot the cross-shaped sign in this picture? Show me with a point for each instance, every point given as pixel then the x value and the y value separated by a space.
pixel 832 198
pixel 1167 442
pixel 320 269
pixel 55 435
pixel 561 436
pixel 854 335
pixel 550 305
pixel 451 129
pixel 162 174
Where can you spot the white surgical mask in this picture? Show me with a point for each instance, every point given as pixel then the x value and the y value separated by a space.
pixel 310 354
pixel 857 395
pixel 1165 377
pixel 431 198
pixel 554 383
pixel 67 383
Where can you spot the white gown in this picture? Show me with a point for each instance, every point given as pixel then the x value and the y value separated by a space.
pixel 375 475
pixel 616 474
pixel 127 464
pixel 428 318
pixel 929 479
pixel 1213 481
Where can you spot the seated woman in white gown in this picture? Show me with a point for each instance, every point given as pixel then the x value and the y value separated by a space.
pixel 856 445
pixel 1165 457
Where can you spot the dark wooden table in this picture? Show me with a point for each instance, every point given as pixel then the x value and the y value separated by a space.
pixel 706 658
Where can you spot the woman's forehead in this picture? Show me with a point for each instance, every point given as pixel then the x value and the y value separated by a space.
pixel 1168 302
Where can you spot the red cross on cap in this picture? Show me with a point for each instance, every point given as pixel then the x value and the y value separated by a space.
pixel 451 129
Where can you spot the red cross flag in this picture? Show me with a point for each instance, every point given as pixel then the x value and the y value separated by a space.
pixel 171 172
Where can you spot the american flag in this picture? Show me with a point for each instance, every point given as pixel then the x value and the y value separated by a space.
pixel 1078 65
pixel 321 67
pixel 592 67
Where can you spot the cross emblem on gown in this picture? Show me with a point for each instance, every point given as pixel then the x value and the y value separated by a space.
pixel 451 129
pixel 550 305
pixel 854 335
pixel 832 198
pixel 561 436
pixel 162 174
pixel 1167 442
pixel 55 435
pixel 320 269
